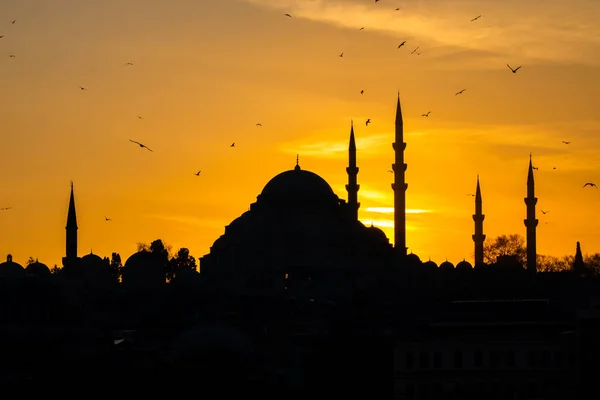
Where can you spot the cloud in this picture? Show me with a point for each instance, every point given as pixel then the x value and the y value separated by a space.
pixel 534 30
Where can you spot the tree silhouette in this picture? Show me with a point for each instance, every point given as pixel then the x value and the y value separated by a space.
pixel 30 261
pixel 182 261
pixel 55 270
pixel 505 245
pixel 115 266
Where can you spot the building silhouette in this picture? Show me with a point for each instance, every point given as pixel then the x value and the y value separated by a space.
pixel 352 187
pixel 531 222
pixel 70 260
pixel 399 186
pixel 478 217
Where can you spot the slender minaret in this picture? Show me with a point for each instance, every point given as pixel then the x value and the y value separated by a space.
pixel 478 217
pixel 399 186
pixel 531 222
pixel 352 187
pixel 578 264
pixel 71 229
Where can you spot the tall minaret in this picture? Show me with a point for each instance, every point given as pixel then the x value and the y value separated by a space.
pixel 531 222
pixel 478 217
pixel 399 186
pixel 352 170
pixel 71 229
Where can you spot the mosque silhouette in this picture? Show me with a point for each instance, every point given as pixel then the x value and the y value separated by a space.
pixel 299 297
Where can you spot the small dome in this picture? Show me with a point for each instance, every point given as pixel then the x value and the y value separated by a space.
pixel 446 265
pixel 91 259
pixel 430 264
pixel 412 258
pixel 11 269
pixel 297 185
pixel 38 269
pixel 143 268
pixel 376 232
pixel 464 264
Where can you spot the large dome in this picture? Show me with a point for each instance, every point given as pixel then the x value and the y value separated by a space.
pixel 297 184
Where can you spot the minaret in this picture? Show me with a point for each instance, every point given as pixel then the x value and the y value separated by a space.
pixel 399 186
pixel 352 187
pixel 71 229
pixel 578 264
pixel 531 222
pixel 478 217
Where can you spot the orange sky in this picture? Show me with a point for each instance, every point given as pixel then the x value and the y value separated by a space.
pixel 205 73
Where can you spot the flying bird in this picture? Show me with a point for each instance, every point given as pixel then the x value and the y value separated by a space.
pixel 82 88
pixel 259 124
pixel 590 184
pixel 5 208
pixel 425 115
pixel 361 28
pixel 471 194
pixel 565 142
pixel 514 70
pixel 341 54
pixel 232 144
pixel 536 168
pixel 140 144
pixel 390 171
pixel 544 212
pixel 13 21
pixel 288 15
pixel 12 56
pixel 1 36
pixel 461 92
pixel 107 219
pixel 198 173
pixel 368 121
pixel 476 18
pixel 362 91
pixel 402 44
pixel 129 63
pixel 415 50
pixel 140 117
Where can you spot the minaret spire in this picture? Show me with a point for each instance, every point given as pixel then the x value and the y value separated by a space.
pixel 399 186
pixel 352 187
pixel 71 227
pixel 531 222
pixel 478 217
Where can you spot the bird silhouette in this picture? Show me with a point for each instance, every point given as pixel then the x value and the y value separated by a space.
pixel 128 64
pixel 426 115
pixel 362 91
pixel 1 36
pixel 361 28
pixel 232 144
pixel 590 184
pixel 402 44
pixel 476 18
pixel 461 92
pixel 5 208
pixel 107 219
pixel 13 21
pixel 514 71
pixel 12 56
pixel 140 117
pixel 415 50
pixel 140 144
pixel 198 173
pixel 288 15
pixel 565 142
pixel 259 124
pixel 544 212
pixel 368 121
pixel 390 171
pixel 341 54
pixel 82 88
pixel 471 194
pixel 536 168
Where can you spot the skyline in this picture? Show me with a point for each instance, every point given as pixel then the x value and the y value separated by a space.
pixel 241 63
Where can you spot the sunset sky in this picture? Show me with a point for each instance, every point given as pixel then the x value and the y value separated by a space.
pixel 205 73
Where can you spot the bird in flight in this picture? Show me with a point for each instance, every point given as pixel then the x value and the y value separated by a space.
pixel 471 194
pixel 415 50
pixel 461 92
pixel 12 56
pixel 402 44
pixel 514 70
pixel 13 21
pixel 5 208
pixel 232 144
pixel 368 121
pixel 107 219
pixel 476 18
pixel 425 115
pixel 544 212
pixel 129 63
pixel 362 91
pixel 1 36
pixel 536 168
pixel 361 28
pixel 82 88
pixel 590 184
pixel 288 15
pixel 140 117
pixel 565 142
pixel 341 54
pixel 390 171
pixel 259 124
pixel 198 173
pixel 140 144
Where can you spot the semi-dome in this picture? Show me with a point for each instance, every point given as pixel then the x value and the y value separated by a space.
pixel 297 184
pixel 38 269
pixel 11 269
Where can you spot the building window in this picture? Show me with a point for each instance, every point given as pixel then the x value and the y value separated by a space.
pixel 410 360
pixel 437 359
pixel 423 359
pixel 458 359
pixel 478 358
